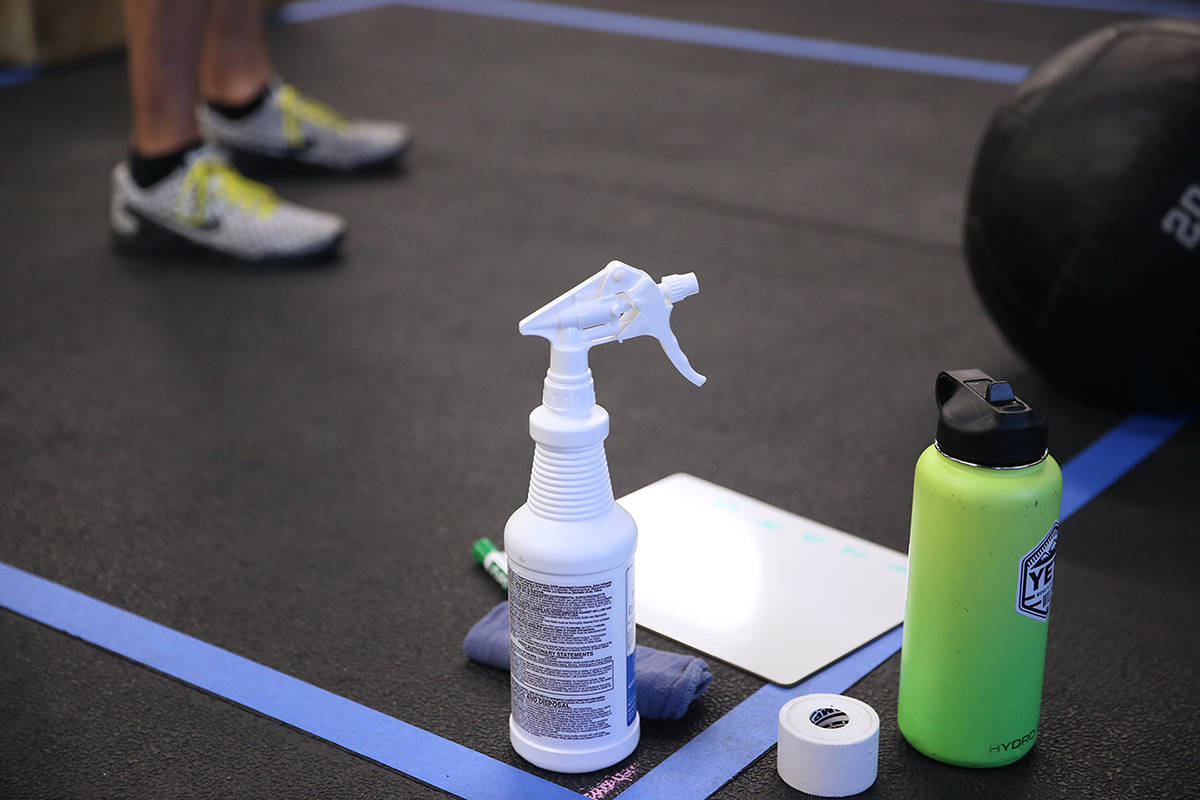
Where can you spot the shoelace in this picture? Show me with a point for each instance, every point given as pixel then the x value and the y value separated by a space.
pixel 212 175
pixel 298 109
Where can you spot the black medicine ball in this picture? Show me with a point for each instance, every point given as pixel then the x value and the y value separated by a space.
pixel 1083 216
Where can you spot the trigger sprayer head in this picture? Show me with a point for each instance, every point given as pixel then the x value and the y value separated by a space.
pixel 617 303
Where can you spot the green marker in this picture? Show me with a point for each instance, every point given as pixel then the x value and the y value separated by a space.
pixel 493 560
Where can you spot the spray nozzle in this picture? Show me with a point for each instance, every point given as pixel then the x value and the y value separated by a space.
pixel 617 303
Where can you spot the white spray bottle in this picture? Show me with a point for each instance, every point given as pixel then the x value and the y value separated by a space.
pixel 570 547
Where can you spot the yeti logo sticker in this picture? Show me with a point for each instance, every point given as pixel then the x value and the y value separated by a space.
pixel 1037 577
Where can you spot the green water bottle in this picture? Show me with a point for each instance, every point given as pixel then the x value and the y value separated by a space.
pixel 986 499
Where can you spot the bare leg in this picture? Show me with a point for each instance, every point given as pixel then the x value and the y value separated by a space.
pixel 235 64
pixel 164 40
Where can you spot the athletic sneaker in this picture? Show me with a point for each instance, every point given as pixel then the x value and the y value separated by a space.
pixel 206 205
pixel 290 129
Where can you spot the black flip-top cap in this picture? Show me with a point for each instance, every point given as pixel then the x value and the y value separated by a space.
pixel 981 421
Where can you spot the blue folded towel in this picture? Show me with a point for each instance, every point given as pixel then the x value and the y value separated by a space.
pixel 667 683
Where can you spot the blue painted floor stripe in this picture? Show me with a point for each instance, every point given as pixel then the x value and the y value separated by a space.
pixel 419 753
pixel 1163 8
pixel 730 744
pixel 716 35
pixel 671 30
pixel 11 76
pixel 1112 455
pixel 674 30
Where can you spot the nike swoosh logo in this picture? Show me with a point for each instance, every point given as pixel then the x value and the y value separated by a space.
pixel 210 224
pixel 297 149
pixel 286 151
pixel 176 222
pixel 308 142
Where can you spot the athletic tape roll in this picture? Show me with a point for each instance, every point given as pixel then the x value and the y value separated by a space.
pixel 828 744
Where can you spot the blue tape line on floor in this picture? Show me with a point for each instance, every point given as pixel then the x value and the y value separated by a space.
pixel 419 753
pixel 1112 455
pixel 671 30
pixel 674 30
pixel 1157 8
pixel 11 76
pixel 730 744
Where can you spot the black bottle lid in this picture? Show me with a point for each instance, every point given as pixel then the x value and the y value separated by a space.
pixel 981 421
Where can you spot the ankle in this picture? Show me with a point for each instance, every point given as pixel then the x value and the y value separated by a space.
pixel 160 131
pixel 235 88
pixel 242 108
pixel 147 170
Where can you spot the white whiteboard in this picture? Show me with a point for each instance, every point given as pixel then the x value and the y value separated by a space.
pixel 771 592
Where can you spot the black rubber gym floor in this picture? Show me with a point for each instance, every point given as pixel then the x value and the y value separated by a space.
pixel 292 464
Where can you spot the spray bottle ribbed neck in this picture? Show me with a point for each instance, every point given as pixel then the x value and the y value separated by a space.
pixel 570 483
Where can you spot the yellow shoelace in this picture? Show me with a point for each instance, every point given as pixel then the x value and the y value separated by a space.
pixel 298 109
pixel 207 175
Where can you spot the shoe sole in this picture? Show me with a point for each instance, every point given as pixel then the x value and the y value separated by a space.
pixel 154 241
pixel 250 162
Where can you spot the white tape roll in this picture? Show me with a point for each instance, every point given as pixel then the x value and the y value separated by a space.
pixel 828 745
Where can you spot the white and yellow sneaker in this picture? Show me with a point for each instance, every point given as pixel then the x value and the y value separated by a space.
pixel 205 204
pixel 290 129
